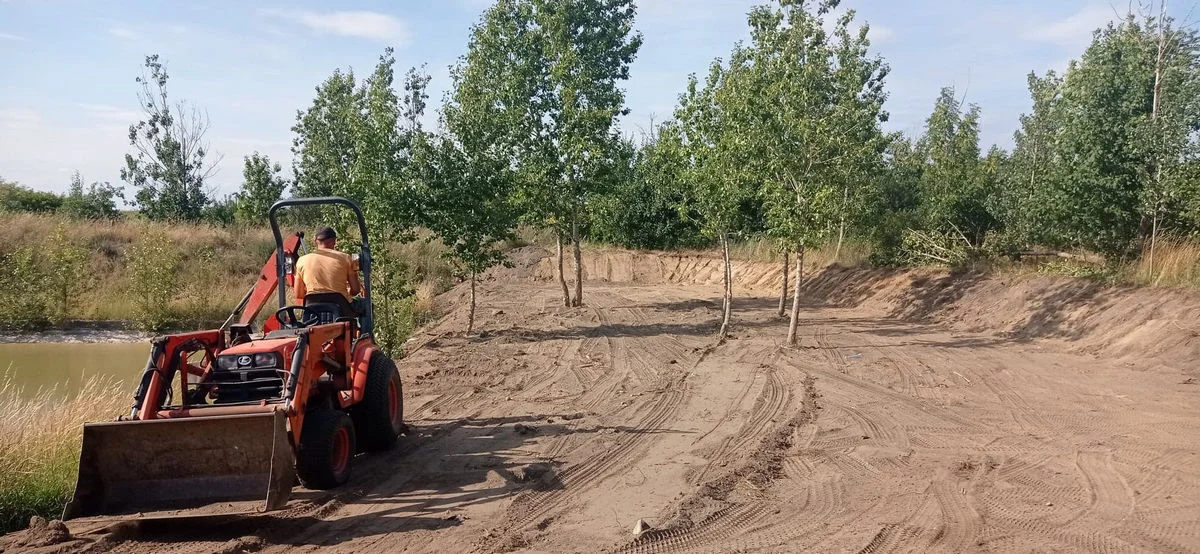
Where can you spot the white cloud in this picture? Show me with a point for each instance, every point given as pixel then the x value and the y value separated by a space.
pixel 105 112
pixel 361 24
pixel 10 36
pixel 122 33
pixel 19 118
pixel 880 34
pixel 1073 31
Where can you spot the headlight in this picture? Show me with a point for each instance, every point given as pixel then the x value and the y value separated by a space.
pixel 227 363
pixel 266 359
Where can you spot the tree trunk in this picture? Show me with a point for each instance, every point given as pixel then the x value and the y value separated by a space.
pixel 471 311
pixel 728 304
pixel 783 291
pixel 794 323
pixel 1153 242
pixel 562 280
pixel 837 252
pixel 578 301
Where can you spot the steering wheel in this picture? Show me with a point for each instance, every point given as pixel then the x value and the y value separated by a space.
pixel 287 318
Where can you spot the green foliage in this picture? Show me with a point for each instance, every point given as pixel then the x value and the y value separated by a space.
pixel 809 104
pixel 1026 185
pixel 718 184
pixel 392 300
pixel 262 186
pixel 97 201
pixel 222 212
pixel 540 84
pixel 152 263
pixel 953 183
pixel 45 282
pixel 891 206
pixel 168 168
pixel 324 141
pixel 641 210
pixel 24 305
pixel 16 198
pixel 66 275
pixel 1127 143
pixel 468 202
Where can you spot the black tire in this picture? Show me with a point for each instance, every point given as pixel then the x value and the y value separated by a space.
pixel 326 449
pixel 379 418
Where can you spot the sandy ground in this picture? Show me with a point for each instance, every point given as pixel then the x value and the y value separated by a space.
pixel 557 429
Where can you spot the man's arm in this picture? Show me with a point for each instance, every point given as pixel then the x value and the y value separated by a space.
pixel 355 284
pixel 298 286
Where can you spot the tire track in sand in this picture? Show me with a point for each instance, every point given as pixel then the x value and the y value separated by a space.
pixel 771 402
pixel 1112 501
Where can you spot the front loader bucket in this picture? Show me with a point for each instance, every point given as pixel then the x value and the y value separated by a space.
pixel 181 467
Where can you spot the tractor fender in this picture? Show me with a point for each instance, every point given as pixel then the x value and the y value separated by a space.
pixel 359 363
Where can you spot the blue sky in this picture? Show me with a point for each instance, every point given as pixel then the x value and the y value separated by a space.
pixel 68 93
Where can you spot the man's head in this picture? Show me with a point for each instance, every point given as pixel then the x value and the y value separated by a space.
pixel 326 237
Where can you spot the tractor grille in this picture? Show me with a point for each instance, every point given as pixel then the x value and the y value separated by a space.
pixel 248 385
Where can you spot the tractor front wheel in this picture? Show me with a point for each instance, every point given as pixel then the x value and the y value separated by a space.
pixel 379 418
pixel 326 449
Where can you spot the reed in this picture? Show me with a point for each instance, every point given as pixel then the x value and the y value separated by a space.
pixel 40 438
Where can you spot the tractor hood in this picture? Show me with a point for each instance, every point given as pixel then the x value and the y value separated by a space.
pixel 284 345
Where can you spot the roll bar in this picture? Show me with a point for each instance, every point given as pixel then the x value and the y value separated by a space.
pixel 364 255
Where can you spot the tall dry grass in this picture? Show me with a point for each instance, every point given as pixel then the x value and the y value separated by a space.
pixel 1175 263
pixel 216 265
pixel 39 445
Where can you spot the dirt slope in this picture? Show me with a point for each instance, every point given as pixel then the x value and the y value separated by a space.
pixel 923 412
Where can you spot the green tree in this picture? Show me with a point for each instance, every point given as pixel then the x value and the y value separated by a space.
pixel 17 198
pixel 718 182
pixel 1026 182
pixel 66 275
pixel 953 187
pixel 809 103
pixel 641 210
pixel 467 191
pixel 543 76
pixel 153 263
pixel 262 186
pixel 96 201
pixel 1174 120
pixel 220 211
pixel 355 140
pixel 1133 106
pixel 892 204
pixel 19 272
pixel 324 143
pixel 170 164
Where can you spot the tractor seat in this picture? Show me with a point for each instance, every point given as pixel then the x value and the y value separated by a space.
pixel 327 307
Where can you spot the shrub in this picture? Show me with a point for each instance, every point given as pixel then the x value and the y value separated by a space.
pixel 153 263
pixel 16 198
pixel 97 201
pixel 39 446
pixel 24 301
pixel 66 275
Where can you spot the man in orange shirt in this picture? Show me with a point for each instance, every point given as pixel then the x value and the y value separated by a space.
pixel 327 270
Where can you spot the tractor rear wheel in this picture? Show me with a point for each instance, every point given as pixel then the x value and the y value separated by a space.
pixel 379 418
pixel 326 448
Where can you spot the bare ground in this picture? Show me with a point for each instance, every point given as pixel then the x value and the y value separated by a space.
pixel 921 413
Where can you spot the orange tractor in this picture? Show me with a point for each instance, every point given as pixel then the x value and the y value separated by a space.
pixel 226 420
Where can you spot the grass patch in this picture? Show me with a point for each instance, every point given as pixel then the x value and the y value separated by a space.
pixel 181 276
pixel 1175 263
pixel 39 446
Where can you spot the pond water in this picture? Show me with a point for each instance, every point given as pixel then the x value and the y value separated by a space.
pixel 64 366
